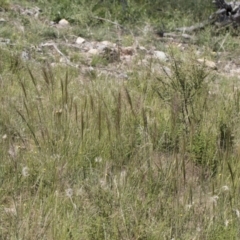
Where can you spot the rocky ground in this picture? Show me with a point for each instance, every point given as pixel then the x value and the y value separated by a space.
pixel 107 56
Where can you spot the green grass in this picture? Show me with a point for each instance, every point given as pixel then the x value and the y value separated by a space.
pixel 88 156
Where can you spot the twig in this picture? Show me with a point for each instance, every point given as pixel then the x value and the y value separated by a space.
pixel 107 20
pixel 194 27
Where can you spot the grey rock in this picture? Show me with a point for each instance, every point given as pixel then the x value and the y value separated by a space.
pixel 93 51
pixel 160 55
pixel 123 76
pixel 80 40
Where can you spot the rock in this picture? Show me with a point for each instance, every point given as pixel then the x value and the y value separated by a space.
pixel 123 76
pixel 86 46
pixel 105 45
pixel 102 47
pixel 90 69
pixel 108 44
pixel 208 63
pixel 80 40
pixel 63 23
pixel 160 55
pixel 4 137
pixel 93 51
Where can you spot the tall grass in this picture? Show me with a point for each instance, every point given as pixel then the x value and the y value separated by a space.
pixel 150 158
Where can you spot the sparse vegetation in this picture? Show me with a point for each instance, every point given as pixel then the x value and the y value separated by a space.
pixel 88 153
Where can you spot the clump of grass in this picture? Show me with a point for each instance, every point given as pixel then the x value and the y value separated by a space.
pixel 186 90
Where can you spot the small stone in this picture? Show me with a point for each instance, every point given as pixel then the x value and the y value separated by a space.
pixel 90 69
pixel 208 63
pixel 4 137
pixel 86 46
pixel 102 47
pixel 52 23
pixel 160 55
pixel 93 51
pixel 80 40
pixel 108 44
pixel 123 76
pixel 63 22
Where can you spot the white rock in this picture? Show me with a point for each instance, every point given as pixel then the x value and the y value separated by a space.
pixel 63 22
pixel 80 40
pixel 93 51
pixel 160 55
pixel 123 76
pixel 4 136
pixel 90 69
pixel 102 47
pixel 87 46
pixel 108 44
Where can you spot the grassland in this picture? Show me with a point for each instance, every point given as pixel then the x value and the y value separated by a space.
pixel 88 155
